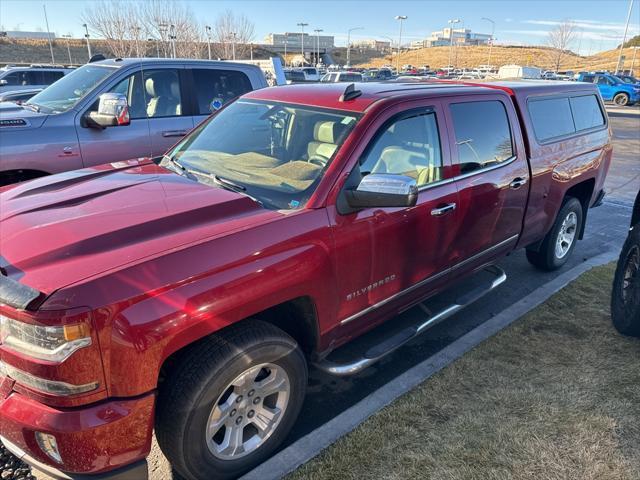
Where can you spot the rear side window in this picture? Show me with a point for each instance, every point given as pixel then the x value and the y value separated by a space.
pixel 551 118
pixel 586 112
pixel 49 77
pixel 215 87
pixel 588 78
pixel 483 135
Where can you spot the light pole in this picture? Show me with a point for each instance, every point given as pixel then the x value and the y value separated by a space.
pixel 251 51
pixel 68 49
pixel 172 37
pixel 162 28
pixel 208 30
pixel 137 33
pixel 633 59
pixel 46 21
pixel 624 38
pixel 286 40
pixel 402 18
pixel 233 45
pixel 86 36
pixel 302 25
pixel 318 30
pixel 451 24
pixel 493 29
pixel 349 41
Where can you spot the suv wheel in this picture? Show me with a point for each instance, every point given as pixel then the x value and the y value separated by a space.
pixel 558 244
pixel 621 99
pixel 229 401
pixel 625 298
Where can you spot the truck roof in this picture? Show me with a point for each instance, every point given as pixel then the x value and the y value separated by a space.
pixel 328 95
pixel 122 62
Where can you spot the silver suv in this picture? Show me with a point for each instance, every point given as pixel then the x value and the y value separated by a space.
pixel 27 78
pixel 65 127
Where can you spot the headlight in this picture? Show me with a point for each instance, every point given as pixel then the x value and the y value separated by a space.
pixel 54 344
pixel 42 384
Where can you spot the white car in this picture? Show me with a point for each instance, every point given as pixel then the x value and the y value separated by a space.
pixel 311 74
pixel 342 77
pixel 29 78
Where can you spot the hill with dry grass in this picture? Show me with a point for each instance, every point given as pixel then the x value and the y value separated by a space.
pixel 472 56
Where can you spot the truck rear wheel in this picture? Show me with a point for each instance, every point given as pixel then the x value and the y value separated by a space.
pixel 625 298
pixel 228 402
pixel 558 244
pixel 621 99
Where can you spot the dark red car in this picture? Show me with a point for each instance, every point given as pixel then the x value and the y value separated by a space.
pixel 190 293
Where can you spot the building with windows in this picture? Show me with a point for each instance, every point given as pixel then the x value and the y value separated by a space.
pixel 457 36
pixel 372 44
pixel 293 41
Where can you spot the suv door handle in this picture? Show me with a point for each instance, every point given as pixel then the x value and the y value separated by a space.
pixel 174 133
pixel 443 209
pixel 517 183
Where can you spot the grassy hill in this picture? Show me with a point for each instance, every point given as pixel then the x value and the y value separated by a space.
pixel 470 57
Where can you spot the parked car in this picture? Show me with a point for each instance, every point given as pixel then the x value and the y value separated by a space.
pixel 625 297
pixel 19 96
pixel 342 77
pixel 612 88
pixel 311 74
pixel 294 76
pixel 27 78
pixel 187 295
pixel 62 128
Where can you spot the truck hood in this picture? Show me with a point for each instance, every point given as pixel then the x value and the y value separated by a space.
pixel 14 116
pixel 58 230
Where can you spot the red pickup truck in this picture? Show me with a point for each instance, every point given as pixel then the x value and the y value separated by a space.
pixel 189 293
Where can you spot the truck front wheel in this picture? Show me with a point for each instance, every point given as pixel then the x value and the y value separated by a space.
pixel 621 99
pixel 228 402
pixel 558 244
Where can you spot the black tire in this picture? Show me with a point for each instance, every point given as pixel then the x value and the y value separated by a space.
pixel 621 99
pixel 625 302
pixel 545 258
pixel 199 377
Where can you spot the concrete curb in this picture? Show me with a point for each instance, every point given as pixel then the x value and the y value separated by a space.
pixel 313 443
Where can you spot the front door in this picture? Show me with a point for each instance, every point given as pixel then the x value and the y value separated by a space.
pixel 168 108
pixel 119 143
pixel 388 258
pixel 492 177
pixel 605 86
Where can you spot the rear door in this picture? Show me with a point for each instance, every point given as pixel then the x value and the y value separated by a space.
pixel 214 87
pixel 605 86
pixel 492 177
pixel 168 106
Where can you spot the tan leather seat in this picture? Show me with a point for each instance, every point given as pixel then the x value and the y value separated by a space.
pixel 325 136
pixel 160 93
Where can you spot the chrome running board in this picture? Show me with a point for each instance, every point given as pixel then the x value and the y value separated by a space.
pixel 377 345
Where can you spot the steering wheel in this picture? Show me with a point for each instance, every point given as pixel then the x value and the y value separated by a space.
pixel 318 160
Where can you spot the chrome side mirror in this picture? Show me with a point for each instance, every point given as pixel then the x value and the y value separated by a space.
pixel 113 111
pixel 383 190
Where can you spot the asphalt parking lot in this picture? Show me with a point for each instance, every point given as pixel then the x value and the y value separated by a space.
pixel 606 229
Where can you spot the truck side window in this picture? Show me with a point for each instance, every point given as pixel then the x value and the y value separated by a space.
pixel 586 112
pixel 132 88
pixel 483 135
pixel 216 86
pixel 409 146
pixel 551 118
pixel 162 93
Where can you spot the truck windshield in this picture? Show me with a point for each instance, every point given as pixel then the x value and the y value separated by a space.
pixel 70 89
pixel 273 152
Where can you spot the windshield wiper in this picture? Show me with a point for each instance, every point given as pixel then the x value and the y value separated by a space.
pixel 32 106
pixel 225 182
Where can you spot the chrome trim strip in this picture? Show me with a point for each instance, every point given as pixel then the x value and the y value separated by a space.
pixel 427 280
pixel 446 181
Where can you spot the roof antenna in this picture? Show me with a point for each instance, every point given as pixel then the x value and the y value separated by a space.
pixel 350 93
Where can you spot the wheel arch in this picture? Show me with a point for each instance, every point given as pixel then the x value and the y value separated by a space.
pixel 582 191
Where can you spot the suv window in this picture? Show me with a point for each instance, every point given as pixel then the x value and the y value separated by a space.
pixel 218 86
pixel 586 112
pixel 49 77
pixel 604 81
pixel 408 146
pixel 588 78
pixel 24 77
pixel 483 135
pixel 551 118
pixel 162 93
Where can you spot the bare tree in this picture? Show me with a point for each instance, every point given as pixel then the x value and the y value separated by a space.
pixel 232 32
pixel 560 38
pixel 114 21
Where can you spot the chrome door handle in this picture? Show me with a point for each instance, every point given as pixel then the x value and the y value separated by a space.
pixel 444 209
pixel 174 133
pixel 517 183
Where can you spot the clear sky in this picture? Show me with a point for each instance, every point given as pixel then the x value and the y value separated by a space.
pixel 600 22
